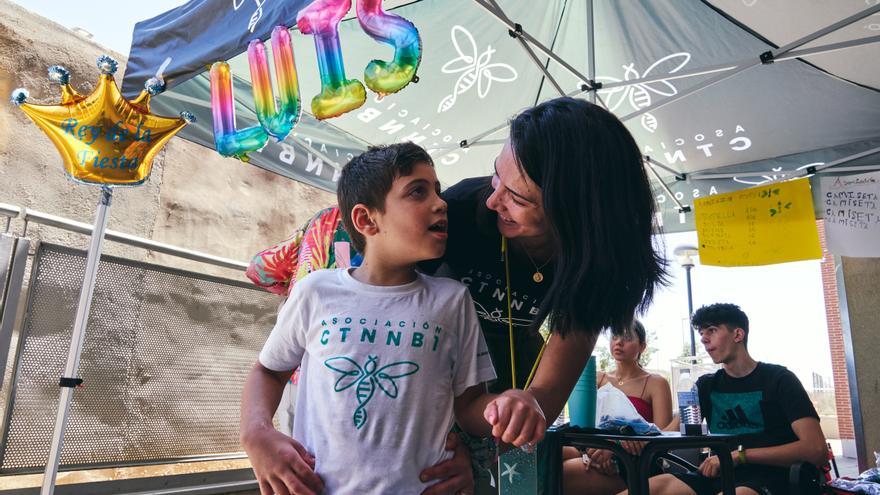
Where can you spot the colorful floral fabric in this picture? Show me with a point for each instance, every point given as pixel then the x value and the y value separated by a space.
pixel 312 247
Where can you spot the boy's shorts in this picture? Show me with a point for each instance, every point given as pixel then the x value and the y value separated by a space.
pixel 765 480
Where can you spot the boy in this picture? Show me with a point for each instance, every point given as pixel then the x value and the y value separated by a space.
pixel 764 404
pixel 387 354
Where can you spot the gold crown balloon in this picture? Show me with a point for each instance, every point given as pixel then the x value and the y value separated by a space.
pixel 103 138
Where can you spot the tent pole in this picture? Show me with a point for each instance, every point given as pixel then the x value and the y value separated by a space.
pixel 454 146
pixel 601 101
pixel 591 52
pixel 831 47
pixel 788 175
pixel 841 161
pixel 733 65
pixel 511 26
pixel 531 53
pixel 861 168
pixel 477 139
pixel 492 7
pixel 671 170
pixel 677 75
pixel 694 89
pixel 470 142
pixel 801 171
pixel 827 30
pixel 69 379
pixel 764 58
pixel 519 34
pixel 681 208
pixel 783 174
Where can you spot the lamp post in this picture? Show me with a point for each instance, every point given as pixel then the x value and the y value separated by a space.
pixel 685 256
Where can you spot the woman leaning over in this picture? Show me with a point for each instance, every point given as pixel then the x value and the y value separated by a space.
pixel 570 202
pixel 570 198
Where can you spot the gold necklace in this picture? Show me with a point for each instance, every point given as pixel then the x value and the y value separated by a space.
pixel 538 277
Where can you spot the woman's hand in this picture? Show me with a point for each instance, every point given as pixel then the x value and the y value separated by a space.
pixel 281 464
pixel 456 474
pixel 516 418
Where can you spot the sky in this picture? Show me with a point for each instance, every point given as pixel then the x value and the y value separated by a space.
pixel 784 302
pixel 110 22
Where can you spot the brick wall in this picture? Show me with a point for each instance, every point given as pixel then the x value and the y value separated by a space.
pixel 835 339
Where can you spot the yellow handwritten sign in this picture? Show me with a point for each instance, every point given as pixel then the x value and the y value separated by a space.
pixel 762 225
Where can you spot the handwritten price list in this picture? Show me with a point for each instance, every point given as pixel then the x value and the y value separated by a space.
pixel 851 206
pixel 758 226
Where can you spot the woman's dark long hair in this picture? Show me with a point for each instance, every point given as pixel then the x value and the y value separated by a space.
pixel 600 211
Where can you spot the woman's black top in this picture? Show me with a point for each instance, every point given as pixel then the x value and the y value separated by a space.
pixel 473 256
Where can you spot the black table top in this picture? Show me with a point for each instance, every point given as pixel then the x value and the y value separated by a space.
pixel 666 436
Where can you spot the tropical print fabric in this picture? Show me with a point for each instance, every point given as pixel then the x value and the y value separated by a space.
pixel 311 247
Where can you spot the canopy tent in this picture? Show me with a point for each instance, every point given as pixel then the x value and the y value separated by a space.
pixel 719 94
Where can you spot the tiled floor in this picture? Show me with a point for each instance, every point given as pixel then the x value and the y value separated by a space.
pixel 848 466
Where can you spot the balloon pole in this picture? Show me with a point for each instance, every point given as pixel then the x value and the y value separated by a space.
pixel 123 157
pixel 68 380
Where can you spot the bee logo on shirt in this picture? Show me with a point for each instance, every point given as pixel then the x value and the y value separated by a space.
pixel 366 379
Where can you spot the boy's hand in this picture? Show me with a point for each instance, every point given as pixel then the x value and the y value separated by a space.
pixel 711 467
pixel 281 464
pixel 516 418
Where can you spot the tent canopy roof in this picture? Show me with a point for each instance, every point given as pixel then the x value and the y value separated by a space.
pixel 687 77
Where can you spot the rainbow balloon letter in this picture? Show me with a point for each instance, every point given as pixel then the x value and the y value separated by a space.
pixel 338 94
pixel 278 123
pixel 227 140
pixel 390 77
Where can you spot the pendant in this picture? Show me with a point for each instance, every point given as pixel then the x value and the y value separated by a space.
pixel 538 277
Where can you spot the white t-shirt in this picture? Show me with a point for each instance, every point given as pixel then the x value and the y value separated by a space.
pixel 380 367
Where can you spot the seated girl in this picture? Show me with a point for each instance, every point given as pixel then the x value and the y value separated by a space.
pixel 594 472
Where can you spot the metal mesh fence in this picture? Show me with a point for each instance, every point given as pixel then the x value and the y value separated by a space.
pixel 163 363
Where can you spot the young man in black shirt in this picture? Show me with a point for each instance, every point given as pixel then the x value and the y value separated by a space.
pixel 764 404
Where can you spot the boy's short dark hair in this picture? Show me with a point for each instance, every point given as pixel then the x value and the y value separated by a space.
pixel 721 314
pixel 368 177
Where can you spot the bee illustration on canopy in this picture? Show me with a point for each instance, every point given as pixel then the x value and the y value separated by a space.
pixel 639 95
pixel 474 67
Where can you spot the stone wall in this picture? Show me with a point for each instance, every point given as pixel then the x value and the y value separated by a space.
pixel 194 199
